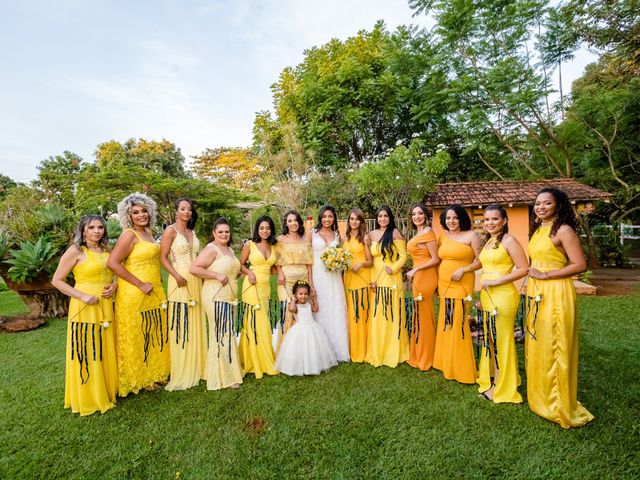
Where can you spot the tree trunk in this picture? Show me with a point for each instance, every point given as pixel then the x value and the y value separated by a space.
pixel 592 253
pixel 42 299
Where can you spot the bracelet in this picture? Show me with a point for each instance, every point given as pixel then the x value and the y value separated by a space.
pixel 466 269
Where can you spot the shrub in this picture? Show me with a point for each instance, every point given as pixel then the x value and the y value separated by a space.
pixel 31 259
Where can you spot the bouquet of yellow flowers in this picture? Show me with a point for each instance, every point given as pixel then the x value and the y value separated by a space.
pixel 336 259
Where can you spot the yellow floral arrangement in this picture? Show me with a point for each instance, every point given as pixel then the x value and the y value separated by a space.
pixel 336 259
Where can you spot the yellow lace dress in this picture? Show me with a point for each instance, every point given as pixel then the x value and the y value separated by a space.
pixel 499 308
pixel 388 342
pixel 187 341
pixel 142 328
pixel 453 354
pixel 294 258
pixel 220 304
pixel 256 349
pixel 356 285
pixel 91 379
pixel 551 344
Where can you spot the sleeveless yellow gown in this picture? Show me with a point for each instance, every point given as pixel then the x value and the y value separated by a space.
pixel 221 303
pixel 551 344
pixel 142 329
pixel 356 285
pixel 187 341
pixel 388 342
pixel 91 378
pixel 499 345
pixel 256 350
pixel 294 259
pixel 422 341
pixel 453 354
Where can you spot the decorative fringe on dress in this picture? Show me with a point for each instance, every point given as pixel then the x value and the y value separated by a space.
pixel 412 317
pixel 529 300
pixel 489 333
pixel 79 340
pixel 449 313
pixel 277 313
pixel 359 297
pixel 180 314
pixel 153 330
pixel 247 313
pixel 386 297
pixel 225 318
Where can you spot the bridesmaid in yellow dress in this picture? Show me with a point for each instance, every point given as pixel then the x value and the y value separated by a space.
pixel 500 299
pixel 91 378
pixel 356 283
pixel 388 342
pixel 188 344
pixel 256 349
pixel 142 331
pixel 551 344
pixel 294 263
pixel 458 250
pixel 219 267
pixel 423 248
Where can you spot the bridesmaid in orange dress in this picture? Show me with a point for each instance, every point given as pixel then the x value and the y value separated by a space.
pixel 423 249
pixel 459 248
pixel 356 284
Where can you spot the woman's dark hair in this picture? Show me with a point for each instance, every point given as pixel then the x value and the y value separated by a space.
pixel 334 227
pixel 300 284
pixel 221 221
pixel 505 227
pixel 285 229
pixel 387 248
pixel 78 235
pixel 463 217
pixel 564 212
pixel 256 236
pixel 425 210
pixel 191 224
pixel 362 229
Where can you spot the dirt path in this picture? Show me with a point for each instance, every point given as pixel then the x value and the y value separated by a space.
pixel 616 281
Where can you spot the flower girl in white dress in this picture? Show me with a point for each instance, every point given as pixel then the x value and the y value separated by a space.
pixel 305 349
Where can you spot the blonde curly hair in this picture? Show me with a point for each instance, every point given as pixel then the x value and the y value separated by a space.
pixel 141 200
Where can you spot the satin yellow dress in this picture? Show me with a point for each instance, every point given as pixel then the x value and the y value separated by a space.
pixel 221 303
pixel 499 308
pixel 388 342
pixel 551 344
pixel 356 285
pixel 294 258
pixel 142 329
pixel 422 341
pixel 187 341
pixel 256 350
pixel 91 378
pixel 453 354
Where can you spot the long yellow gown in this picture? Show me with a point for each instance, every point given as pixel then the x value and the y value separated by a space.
pixel 356 285
pixel 221 303
pixel 388 342
pixel 142 329
pixel 499 308
pixel 453 354
pixel 91 379
pixel 551 344
pixel 422 341
pixel 256 350
pixel 188 344
pixel 294 259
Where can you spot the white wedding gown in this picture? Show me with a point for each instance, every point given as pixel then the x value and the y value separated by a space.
pixel 332 305
pixel 305 349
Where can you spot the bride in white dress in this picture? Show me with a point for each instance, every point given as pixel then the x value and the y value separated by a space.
pixel 328 286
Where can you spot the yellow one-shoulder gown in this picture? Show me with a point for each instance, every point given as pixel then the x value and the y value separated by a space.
pixel 356 285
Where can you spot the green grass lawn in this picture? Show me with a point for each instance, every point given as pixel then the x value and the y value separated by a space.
pixel 352 422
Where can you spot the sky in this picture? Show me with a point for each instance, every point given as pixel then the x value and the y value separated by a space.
pixel 77 73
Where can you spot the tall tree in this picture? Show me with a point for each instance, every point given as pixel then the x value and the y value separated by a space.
pixel 234 167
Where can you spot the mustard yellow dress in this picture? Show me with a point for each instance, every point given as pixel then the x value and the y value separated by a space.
pixel 256 350
pixel 221 303
pixel 453 354
pixel 388 342
pixel 422 340
pixel 91 379
pixel 551 344
pixel 142 329
pixel 499 308
pixel 294 258
pixel 187 341
pixel 356 285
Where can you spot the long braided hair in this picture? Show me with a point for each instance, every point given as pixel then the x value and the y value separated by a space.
pixel 505 227
pixel 564 212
